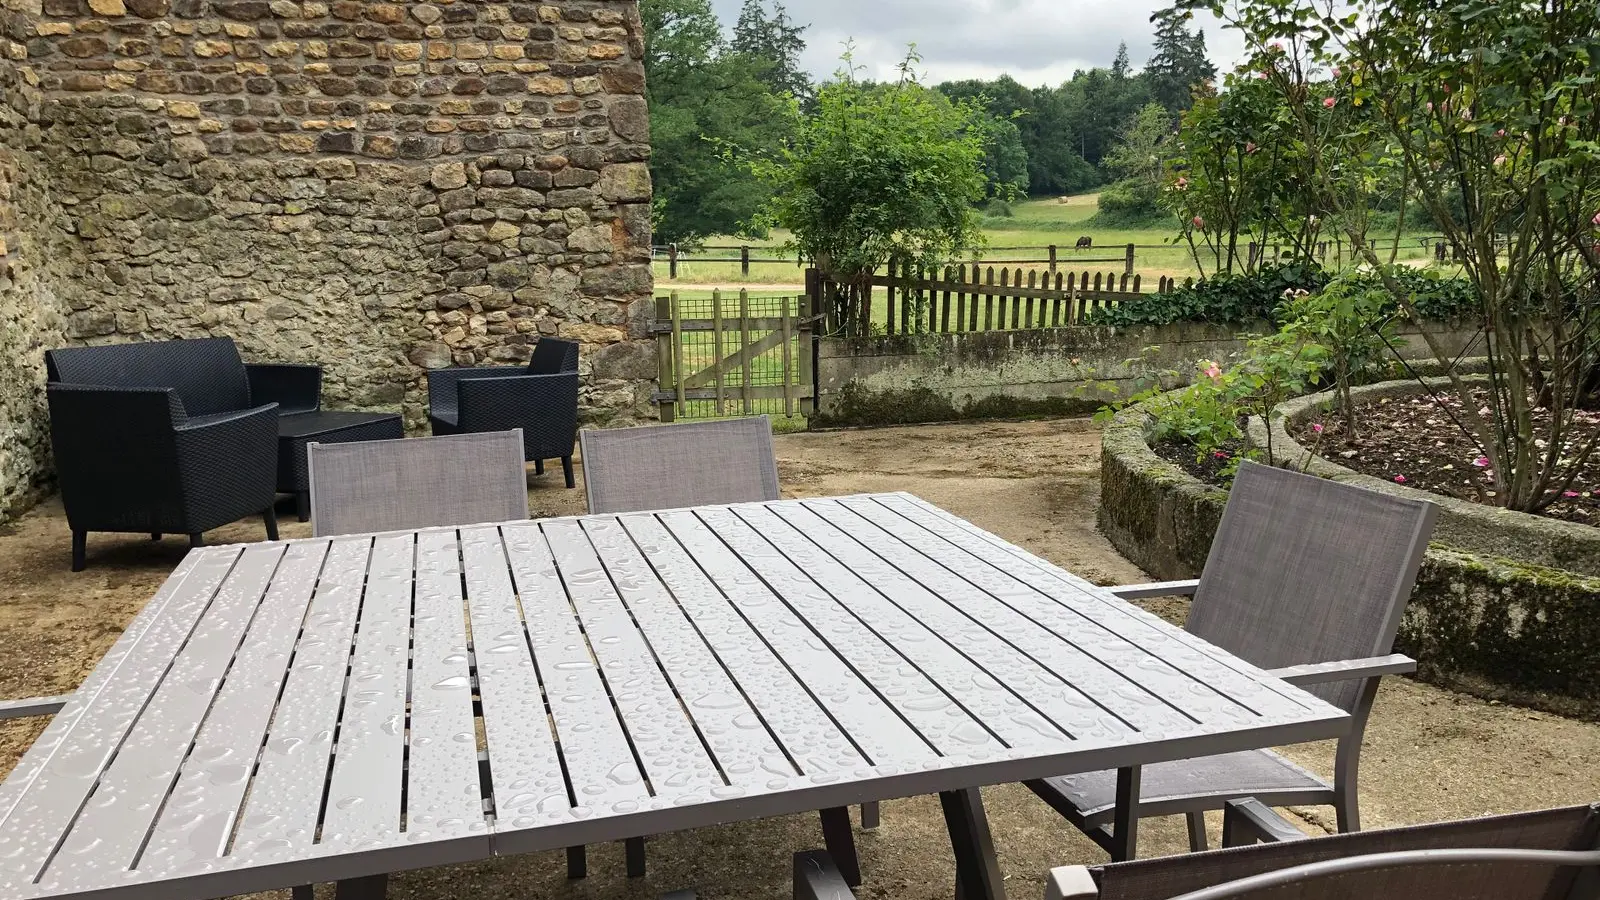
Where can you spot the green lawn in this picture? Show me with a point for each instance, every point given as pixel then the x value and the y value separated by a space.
pixel 1036 225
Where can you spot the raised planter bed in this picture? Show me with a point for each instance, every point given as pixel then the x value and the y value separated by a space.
pixel 1505 628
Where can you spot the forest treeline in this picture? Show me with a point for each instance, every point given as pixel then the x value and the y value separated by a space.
pixel 720 97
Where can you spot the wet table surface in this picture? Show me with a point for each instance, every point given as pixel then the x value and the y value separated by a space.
pixel 317 710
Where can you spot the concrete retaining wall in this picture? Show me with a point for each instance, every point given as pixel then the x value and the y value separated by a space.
pixel 1000 374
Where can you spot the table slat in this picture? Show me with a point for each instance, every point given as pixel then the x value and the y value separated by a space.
pixel 913 696
pixel 198 821
pixel 804 730
pixel 363 799
pixel 524 765
pixel 1203 662
pixel 972 580
pixel 1023 702
pixel 281 814
pixel 171 600
pixel 745 751
pixel 871 725
pixel 444 792
pixel 117 818
pixel 600 767
pixel 658 726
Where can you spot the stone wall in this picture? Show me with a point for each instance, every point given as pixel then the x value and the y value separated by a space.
pixel 998 374
pixel 33 254
pixel 383 188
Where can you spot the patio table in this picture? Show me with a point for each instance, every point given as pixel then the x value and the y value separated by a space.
pixel 340 708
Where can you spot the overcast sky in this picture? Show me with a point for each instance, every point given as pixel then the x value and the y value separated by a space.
pixel 1037 41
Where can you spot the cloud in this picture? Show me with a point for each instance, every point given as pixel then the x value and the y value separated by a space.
pixel 1037 41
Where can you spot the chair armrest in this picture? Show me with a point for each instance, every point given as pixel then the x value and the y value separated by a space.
pixel 1345 669
pixel 33 706
pixel 228 465
pixel 1248 821
pixel 295 388
pixel 545 407
pixel 817 878
pixel 1156 589
pixel 442 392
pixel 1070 883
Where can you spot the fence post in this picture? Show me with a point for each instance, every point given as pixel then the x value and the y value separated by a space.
pixel 665 365
pixel 744 348
pixel 744 260
pixel 718 353
pixel 1128 265
pixel 672 261
pixel 1052 259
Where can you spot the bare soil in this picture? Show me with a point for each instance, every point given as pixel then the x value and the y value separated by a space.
pixel 1430 754
pixel 1417 441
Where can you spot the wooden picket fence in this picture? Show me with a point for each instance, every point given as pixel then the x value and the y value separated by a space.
pixel 967 298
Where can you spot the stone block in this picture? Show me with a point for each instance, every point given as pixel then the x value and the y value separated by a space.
pixel 625 183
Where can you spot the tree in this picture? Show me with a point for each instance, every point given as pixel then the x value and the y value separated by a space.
pixel 1048 135
pixel 878 172
pixel 1178 63
pixel 703 99
pixel 1495 105
pixel 1005 160
pixel 775 43
pixel 1140 160
pixel 1120 66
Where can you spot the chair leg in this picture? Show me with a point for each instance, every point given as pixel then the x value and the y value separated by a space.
pixel 538 467
pixel 1346 810
pixel 566 469
pixel 577 862
pixel 302 892
pixel 80 546
pixel 633 849
pixel 271 519
pixel 977 871
pixel 1197 832
pixel 841 843
pixel 155 535
pixel 871 816
pixel 302 505
pixel 197 540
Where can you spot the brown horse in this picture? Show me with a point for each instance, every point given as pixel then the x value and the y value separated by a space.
pixel 1084 243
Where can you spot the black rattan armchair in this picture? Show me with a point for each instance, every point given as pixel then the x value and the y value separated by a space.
pixel 540 398
pixel 131 459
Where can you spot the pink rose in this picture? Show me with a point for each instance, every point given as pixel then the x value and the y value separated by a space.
pixel 1481 462
pixel 1499 160
pixel 1250 147
pixel 1336 71
pixel 1570 494
pixel 1317 428
pixel 1430 106
pixel 1596 220
pixel 1328 102
pixel 1399 479
pixel 1261 76
pixel 1198 222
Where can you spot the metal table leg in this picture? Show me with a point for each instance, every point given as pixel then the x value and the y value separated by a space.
pixel 977 870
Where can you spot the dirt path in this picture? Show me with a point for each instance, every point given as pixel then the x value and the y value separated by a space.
pixel 1430 754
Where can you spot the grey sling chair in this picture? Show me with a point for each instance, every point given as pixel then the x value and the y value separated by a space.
pixel 696 464
pixel 461 479
pixel 673 466
pixel 1307 578
pixel 1545 855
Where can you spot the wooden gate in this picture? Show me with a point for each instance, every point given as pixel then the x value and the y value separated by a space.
pixel 733 355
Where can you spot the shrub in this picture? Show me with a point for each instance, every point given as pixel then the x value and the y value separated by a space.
pixel 1224 299
pixel 1255 296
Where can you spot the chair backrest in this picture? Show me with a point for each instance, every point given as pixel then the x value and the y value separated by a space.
pixel 1306 570
pixel 671 466
pixel 1572 829
pixel 207 373
pixel 552 356
pixel 462 479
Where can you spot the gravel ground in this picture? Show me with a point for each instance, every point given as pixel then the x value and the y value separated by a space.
pixel 1430 754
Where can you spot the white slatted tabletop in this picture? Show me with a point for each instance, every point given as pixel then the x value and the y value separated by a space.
pixel 327 709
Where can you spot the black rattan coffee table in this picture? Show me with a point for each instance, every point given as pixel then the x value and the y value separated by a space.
pixel 296 431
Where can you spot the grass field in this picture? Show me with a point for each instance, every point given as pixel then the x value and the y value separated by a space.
pixel 1037 224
